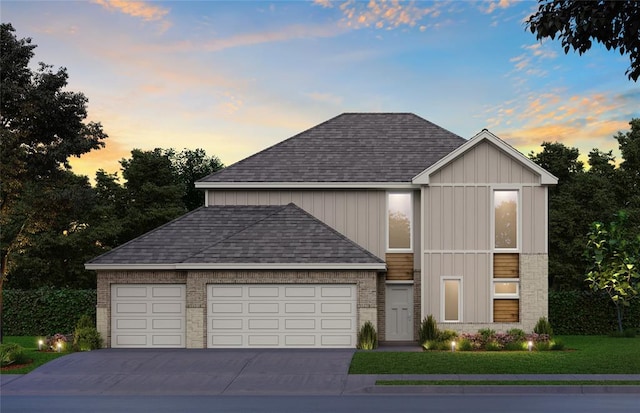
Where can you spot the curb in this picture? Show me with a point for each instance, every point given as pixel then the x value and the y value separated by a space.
pixel 504 389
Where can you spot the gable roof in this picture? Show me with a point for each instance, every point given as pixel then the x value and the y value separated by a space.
pixel 546 178
pixel 350 148
pixel 240 237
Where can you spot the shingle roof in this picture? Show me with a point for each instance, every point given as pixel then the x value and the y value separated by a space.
pixel 352 147
pixel 241 234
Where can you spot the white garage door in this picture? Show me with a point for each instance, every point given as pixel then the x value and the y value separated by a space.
pixel 148 315
pixel 297 315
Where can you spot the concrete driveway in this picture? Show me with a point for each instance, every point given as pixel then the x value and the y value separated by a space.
pixel 187 372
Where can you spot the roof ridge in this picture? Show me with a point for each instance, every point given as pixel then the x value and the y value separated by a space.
pixel 277 208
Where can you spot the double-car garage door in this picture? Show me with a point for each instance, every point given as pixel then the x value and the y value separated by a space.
pixel 238 315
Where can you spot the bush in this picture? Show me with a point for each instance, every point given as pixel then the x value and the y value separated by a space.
pixel 542 346
pixel 85 322
pixel 543 327
pixel 492 346
pixel 428 329
pixel 86 339
pixel 12 353
pixel 447 336
pixel 557 345
pixel 367 337
pixel 45 311
pixel 515 346
pixel 465 345
pixel 517 334
pixel 630 332
pixel 431 345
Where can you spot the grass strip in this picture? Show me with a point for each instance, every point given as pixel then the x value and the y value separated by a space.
pixel 589 355
pixel 508 382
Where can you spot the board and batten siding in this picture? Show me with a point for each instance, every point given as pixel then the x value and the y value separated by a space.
pixel 457 228
pixel 357 214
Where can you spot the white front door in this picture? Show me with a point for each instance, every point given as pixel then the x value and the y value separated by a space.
pixel 399 312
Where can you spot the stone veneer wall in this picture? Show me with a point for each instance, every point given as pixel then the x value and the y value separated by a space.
pixel 534 298
pixel 196 286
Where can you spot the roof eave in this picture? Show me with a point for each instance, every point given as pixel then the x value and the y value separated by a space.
pixel 238 266
pixel 305 185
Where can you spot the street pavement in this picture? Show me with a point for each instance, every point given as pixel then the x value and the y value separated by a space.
pixel 209 372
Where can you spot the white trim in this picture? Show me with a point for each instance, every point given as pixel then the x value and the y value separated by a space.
pixel 411 223
pixel 545 177
pixel 546 220
pixel 305 185
pixel 457 251
pixel 424 287
pixel 460 300
pixel 399 282
pixel 238 266
pixel 499 296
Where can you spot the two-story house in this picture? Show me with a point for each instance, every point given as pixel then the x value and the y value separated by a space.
pixel 381 217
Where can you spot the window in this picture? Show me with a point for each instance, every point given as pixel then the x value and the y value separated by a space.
pixel 505 203
pixel 506 289
pixel 399 217
pixel 451 303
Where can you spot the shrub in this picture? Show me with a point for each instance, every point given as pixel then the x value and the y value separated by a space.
pixel 53 341
pixel 85 321
pixel 367 337
pixel 630 332
pixel 492 346
pixel 431 345
pixel 465 345
pixel 428 329
pixel 517 334
pixel 543 327
pixel 11 353
pixel 515 346
pixel 542 346
pixel 447 336
pixel 557 345
pixel 86 339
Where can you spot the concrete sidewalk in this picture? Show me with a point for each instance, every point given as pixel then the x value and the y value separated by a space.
pixel 251 372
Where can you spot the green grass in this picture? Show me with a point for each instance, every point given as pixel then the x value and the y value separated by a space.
pixel 586 355
pixel 30 345
pixel 508 382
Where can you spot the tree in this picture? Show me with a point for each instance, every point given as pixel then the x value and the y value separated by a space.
pixel 41 126
pixel 615 24
pixel 189 166
pixel 615 258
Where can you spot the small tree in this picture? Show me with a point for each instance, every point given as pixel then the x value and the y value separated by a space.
pixel 615 258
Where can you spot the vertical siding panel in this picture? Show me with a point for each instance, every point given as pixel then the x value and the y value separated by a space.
pixel 435 234
pixel 362 216
pixel 482 164
pixel 447 218
pixel 470 166
pixel 417 230
pixel 307 201
pixel 493 162
pixel 459 229
pixel 457 166
pixel 505 168
pixel 341 212
pixel 318 205
pixel 483 216
pixel 470 228
pixel 252 198
pixel 351 216
pixel 483 288
pixel 329 207
pixel 540 242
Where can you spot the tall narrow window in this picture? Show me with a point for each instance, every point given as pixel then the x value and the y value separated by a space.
pixel 505 203
pixel 451 299
pixel 399 215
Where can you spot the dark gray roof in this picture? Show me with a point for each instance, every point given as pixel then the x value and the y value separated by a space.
pixel 241 234
pixel 352 147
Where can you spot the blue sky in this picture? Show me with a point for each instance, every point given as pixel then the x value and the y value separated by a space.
pixel 234 77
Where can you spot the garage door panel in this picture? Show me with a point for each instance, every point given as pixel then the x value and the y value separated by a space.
pixel 303 315
pixel 148 315
pixel 261 308
pixel 131 308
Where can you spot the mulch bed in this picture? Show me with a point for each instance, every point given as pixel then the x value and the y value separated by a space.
pixel 15 366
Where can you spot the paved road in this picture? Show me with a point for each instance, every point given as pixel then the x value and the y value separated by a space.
pixel 576 403
pixel 205 372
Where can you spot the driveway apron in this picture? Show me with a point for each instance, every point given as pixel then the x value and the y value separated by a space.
pixel 188 372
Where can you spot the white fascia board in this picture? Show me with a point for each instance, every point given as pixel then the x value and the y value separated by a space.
pixel 305 185
pixel 546 178
pixel 238 266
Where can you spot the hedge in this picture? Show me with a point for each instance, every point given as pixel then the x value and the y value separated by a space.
pixel 588 313
pixel 45 311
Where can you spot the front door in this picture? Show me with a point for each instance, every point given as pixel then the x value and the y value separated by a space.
pixel 399 312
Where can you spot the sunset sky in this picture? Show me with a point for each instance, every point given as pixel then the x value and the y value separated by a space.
pixel 234 77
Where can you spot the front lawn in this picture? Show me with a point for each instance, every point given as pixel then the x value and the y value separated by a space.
pixel 585 355
pixel 30 344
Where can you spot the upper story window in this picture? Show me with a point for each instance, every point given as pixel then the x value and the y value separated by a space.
pixel 399 221
pixel 505 223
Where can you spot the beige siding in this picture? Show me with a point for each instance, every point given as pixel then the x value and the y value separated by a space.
pixel 359 215
pixel 473 268
pixel 534 220
pixel 456 218
pixel 485 163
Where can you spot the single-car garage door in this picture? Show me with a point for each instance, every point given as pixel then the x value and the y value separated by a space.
pixel 148 315
pixel 295 315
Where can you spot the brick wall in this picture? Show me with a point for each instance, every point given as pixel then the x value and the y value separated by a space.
pixel 196 286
